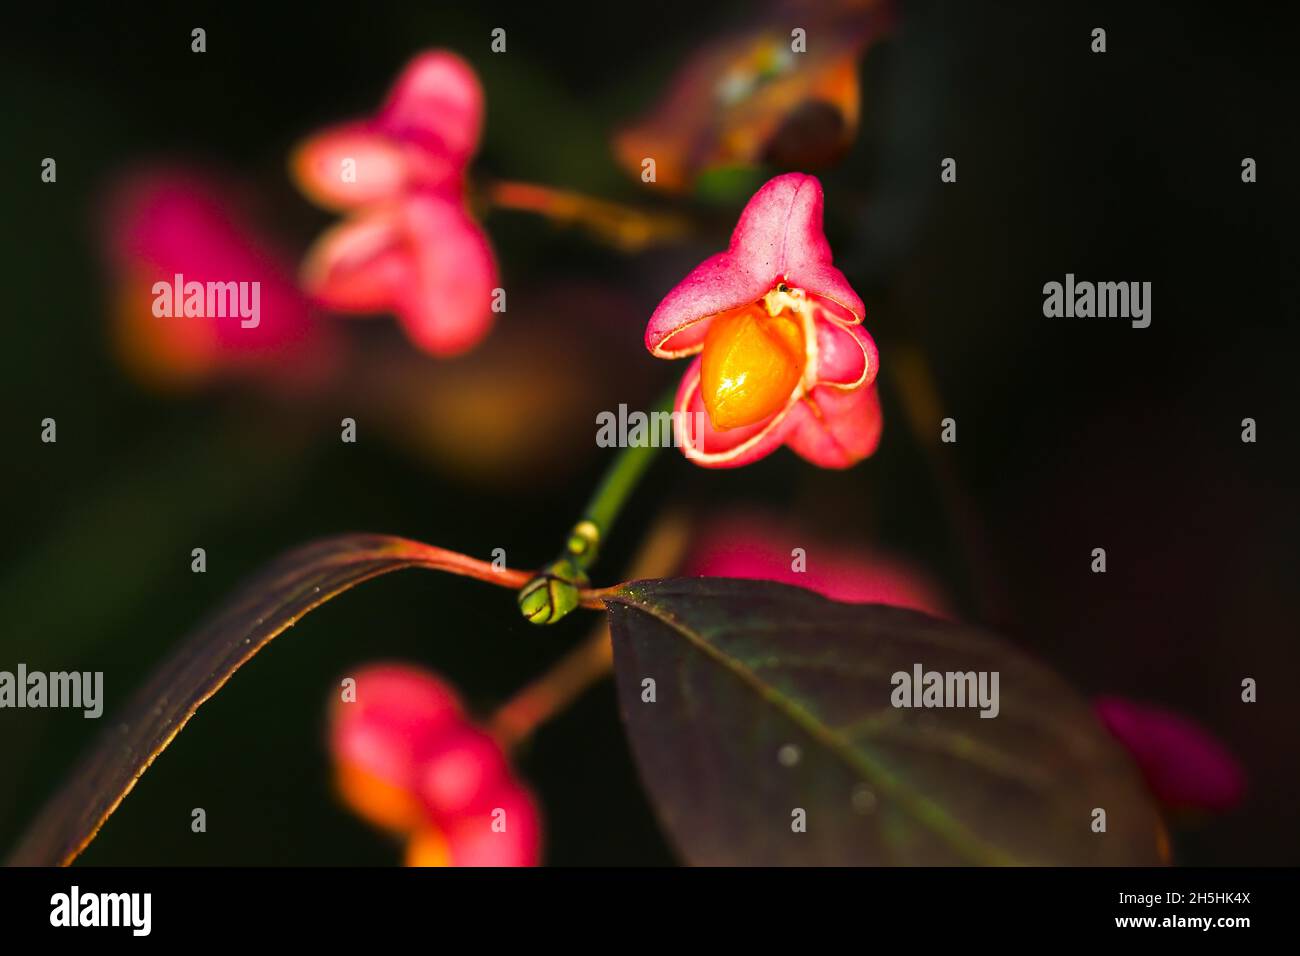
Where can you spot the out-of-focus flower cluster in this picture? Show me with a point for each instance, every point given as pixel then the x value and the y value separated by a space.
pixel 409 245
pixel 409 760
pixel 173 225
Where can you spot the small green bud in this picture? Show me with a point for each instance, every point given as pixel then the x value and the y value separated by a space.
pixel 553 594
pixel 583 541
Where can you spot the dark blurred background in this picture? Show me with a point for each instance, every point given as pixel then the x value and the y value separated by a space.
pixel 1073 434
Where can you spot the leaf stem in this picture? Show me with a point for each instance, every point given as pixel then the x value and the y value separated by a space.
pixel 553 691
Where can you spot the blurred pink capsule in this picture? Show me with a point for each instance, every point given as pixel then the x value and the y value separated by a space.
pixel 460 769
pixel 421 257
pixel 784 357
pixel 379 741
pixel 1183 764
pixel 753 547
pixel 423 136
pixel 410 246
pixel 505 831
pixel 409 760
pixel 174 228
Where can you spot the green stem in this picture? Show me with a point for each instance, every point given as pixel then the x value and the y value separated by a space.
pixel 617 485
pixel 552 594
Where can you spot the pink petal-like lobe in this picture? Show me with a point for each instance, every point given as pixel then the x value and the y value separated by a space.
pixel 351 165
pixel 447 306
pixel 507 832
pixel 360 264
pixel 1183 764
pixel 437 103
pixel 423 258
pixel 778 238
pixel 387 730
pixel 846 355
pixel 834 428
pixel 458 771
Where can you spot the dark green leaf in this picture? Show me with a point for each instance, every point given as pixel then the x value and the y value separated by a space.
pixel 771 698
